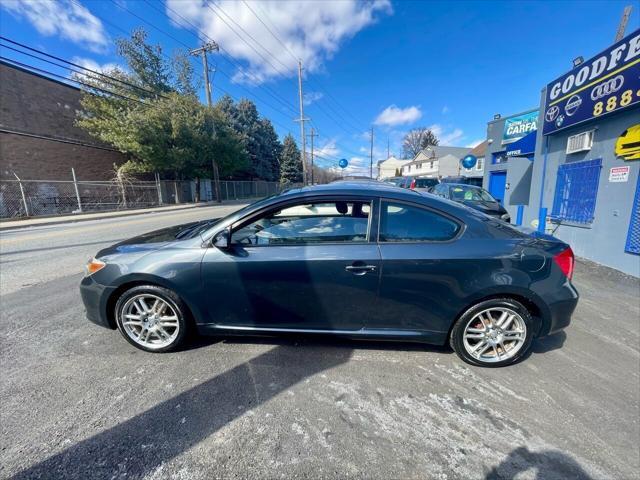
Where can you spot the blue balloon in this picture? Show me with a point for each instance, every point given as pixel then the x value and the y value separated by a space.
pixel 343 163
pixel 469 161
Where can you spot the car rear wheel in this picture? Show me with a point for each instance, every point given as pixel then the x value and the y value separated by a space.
pixel 151 318
pixel 493 333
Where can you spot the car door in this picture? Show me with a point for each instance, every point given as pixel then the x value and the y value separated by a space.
pixel 307 265
pixel 420 259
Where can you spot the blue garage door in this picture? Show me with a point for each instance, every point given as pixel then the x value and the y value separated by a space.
pixel 633 237
pixel 497 183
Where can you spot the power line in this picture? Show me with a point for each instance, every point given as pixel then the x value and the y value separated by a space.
pixel 69 63
pixel 230 58
pixel 344 120
pixel 209 5
pixel 67 79
pixel 269 30
pixel 120 29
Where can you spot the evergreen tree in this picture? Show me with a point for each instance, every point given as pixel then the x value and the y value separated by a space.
pixel 155 117
pixel 258 136
pixel 290 161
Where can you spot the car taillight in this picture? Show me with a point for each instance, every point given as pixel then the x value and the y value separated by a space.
pixel 565 261
pixel 413 184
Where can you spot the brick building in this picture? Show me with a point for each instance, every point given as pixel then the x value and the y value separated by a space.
pixel 38 136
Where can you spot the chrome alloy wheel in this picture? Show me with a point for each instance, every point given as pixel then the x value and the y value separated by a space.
pixel 150 321
pixel 495 335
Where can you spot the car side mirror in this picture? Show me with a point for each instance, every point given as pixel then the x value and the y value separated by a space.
pixel 223 239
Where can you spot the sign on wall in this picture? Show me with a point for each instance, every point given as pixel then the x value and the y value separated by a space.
pixel 607 83
pixel 619 174
pixel 517 127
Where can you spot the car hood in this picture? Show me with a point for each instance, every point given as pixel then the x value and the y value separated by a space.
pixel 490 208
pixel 159 238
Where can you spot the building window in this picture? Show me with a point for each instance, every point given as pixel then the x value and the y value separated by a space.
pixel 576 191
pixel 431 165
pixel 479 164
pixel 498 157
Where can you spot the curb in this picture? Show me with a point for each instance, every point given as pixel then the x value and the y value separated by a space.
pixel 34 222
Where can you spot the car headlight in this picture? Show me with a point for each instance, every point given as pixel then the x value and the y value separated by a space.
pixel 94 265
pixel 506 217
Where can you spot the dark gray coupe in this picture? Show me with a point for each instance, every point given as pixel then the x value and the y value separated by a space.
pixel 360 259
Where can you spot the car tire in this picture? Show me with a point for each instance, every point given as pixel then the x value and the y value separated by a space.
pixel 152 318
pixel 482 323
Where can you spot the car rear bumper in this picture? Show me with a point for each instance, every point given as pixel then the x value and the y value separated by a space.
pixel 561 306
pixel 95 297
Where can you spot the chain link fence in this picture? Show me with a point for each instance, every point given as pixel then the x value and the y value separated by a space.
pixel 34 198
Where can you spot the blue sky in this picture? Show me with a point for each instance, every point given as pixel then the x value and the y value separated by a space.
pixel 391 65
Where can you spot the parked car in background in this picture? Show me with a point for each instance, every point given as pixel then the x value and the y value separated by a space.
pixel 477 181
pixel 474 197
pixel 418 183
pixel 358 260
pixel 397 181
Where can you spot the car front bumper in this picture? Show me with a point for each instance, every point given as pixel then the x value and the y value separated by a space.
pixel 95 298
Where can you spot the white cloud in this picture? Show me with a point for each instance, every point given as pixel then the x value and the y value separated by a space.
pixel 451 138
pixel 447 137
pixel 329 149
pixel 310 31
pixel 67 19
pixel 95 66
pixel 392 115
pixel 312 97
pixel 475 143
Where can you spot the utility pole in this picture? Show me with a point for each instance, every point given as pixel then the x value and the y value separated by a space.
pixel 313 134
pixel 387 147
pixel 371 156
pixel 623 23
pixel 203 50
pixel 303 138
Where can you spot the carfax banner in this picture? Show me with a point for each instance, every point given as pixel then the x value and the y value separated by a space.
pixel 607 83
pixel 517 127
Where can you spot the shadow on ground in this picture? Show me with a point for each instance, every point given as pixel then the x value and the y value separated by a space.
pixel 548 464
pixel 141 444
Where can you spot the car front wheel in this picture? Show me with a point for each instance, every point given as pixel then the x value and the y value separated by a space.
pixel 151 318
pixel 493 333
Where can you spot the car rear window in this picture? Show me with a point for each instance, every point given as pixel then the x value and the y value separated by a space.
pixel 425 182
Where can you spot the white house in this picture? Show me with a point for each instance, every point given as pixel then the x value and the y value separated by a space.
pixel 387 168
pixel 435 162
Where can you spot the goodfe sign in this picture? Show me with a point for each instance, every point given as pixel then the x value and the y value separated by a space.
pixel 609 82
pixel 517 127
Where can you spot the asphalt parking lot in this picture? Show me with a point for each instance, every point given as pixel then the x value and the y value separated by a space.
pixel 79 402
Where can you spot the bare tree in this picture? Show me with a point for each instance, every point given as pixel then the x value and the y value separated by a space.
pixel 416 140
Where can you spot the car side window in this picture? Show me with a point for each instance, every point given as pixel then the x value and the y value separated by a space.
pixel 406 223
pixel 306 223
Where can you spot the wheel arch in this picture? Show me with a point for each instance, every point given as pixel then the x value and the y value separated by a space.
pixel 536 307
pixel 138 280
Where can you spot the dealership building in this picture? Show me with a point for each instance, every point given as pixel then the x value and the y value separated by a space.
pixel 570 167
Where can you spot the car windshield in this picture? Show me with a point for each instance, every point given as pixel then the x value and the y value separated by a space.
pixel 467 193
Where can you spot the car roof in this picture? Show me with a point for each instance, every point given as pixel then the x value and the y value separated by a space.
pixel 355 187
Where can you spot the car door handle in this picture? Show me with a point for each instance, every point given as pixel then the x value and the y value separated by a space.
pixel 360 269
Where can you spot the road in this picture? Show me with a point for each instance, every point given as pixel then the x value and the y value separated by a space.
pixel 80 402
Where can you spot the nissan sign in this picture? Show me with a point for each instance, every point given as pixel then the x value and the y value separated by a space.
pixel 607 83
